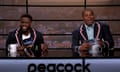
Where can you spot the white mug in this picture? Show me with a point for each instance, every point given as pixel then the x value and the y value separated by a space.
pixel 12 50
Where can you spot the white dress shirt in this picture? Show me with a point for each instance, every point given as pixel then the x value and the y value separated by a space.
pixel 90 31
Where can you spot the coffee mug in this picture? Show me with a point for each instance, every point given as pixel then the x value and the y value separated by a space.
pixel 12 48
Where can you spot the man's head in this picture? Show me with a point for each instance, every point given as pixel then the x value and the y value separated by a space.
pixel 26 21
pixel 88 16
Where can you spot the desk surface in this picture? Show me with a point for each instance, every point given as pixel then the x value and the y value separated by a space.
pixel 115 52
pixel 68 53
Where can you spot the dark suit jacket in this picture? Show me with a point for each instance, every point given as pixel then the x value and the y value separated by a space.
pixel 101 32
pixel 16 37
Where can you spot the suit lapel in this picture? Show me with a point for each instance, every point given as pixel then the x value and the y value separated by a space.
pixel 19 36
pixel 83 32
pixel 97 29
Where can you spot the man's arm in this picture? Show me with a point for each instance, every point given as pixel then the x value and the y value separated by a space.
pixel 108 40
pixel 9 40
pixel 77 46
pixel 75 43
pixel 44 48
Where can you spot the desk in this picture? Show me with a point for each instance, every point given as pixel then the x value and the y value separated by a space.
pixel 115 52
pixel 66 52
pixel 87 54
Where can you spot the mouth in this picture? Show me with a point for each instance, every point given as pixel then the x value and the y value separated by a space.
pixel 89 21
pixel 24 28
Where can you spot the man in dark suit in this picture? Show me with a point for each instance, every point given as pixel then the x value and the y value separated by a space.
pixel 28 41
pixel 91 30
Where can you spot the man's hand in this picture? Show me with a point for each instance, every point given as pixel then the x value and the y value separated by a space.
pixel 101 43
pixel 21 52
pixel 85 46
pixel 44 48
pixel 29 46
pixel 31 54
pixel 20 48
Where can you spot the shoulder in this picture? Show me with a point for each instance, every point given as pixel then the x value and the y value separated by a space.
pixel 11 36
pixel 103 24
pixel 39 33
pixel 12 33
pixel 76 31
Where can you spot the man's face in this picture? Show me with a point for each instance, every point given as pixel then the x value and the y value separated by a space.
pixel 25 23
pixel 88 17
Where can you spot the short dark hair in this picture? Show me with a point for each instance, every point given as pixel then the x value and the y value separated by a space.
pixel 87 10
pixel 26 15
